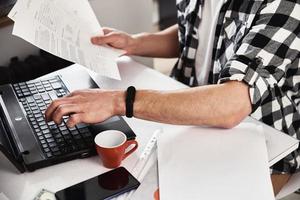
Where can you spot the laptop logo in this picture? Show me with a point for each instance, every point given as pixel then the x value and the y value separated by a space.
pixel 18 119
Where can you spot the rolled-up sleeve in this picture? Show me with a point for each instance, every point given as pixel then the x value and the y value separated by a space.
pixel 268 61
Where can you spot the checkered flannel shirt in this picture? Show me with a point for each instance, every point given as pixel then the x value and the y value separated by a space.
pixel 257 42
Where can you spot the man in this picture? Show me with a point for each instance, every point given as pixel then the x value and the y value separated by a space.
pixel 242 57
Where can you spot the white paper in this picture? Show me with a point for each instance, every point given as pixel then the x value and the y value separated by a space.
pixel 209 163
pixel 279 144
pixel 64 28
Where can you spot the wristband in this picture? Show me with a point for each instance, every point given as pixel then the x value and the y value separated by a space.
pixel 130 96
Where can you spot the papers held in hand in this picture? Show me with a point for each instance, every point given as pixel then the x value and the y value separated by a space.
pixel 64 28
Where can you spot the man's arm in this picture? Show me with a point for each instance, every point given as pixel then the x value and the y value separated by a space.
pixel 162 44
pixel 224 105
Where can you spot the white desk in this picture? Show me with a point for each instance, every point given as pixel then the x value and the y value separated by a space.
pixel 25 186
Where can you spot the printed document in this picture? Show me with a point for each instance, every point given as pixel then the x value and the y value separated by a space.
pixel 64 28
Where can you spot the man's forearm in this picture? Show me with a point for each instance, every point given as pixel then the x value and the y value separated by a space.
pixel 223 105
pixel 162 44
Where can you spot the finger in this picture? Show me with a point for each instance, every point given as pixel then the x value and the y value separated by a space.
pixel 64 110
pixel 106 39
pixel 53 106
pixel 73 120
pixel 107 30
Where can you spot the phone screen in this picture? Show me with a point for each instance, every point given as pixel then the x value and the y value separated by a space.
pixel 102 187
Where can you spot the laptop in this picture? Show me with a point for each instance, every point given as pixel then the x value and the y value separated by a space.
pixel 28 141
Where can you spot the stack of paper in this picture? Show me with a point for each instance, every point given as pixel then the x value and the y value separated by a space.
pixel 209 163
pixel 64 28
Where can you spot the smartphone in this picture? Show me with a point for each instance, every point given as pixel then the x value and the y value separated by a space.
pixel 102 187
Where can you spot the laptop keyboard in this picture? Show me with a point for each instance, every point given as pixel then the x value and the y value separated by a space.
pixel 55 140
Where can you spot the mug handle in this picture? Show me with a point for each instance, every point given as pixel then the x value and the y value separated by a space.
pixel 128 143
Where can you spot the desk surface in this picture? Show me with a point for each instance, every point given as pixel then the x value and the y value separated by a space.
pixel 25 186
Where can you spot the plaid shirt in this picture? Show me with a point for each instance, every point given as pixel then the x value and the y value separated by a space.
pixel 257 42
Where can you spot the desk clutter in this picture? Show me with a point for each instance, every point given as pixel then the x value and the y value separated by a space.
pixel 181 162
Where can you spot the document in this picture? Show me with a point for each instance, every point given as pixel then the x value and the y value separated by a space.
pixel 211 163
pixel 64 28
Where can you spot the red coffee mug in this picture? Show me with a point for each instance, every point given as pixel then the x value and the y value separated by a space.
pixel 111 146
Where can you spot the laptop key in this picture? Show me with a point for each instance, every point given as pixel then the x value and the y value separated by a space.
pixel 46 150
pixel 35 126
pixel 53 95
pixel 56 85
pixel 26 93
pixel 47 136
pixel 52 144
pixel 46 132
pixel 40 119
pixel 37 113
pixel 43 127
pixel 65 132
pixel 49 155
pixel 30 99
pixel 74 132
pixel 63 128
pixel 55 148
pixel 38 131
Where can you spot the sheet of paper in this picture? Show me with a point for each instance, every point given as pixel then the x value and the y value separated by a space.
pixel 279 144
pixel 64 28
pixel 209 163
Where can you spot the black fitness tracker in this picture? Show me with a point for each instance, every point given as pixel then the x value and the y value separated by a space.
pixel 130 96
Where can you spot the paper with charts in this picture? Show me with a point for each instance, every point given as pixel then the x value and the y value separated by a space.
pixel 64 28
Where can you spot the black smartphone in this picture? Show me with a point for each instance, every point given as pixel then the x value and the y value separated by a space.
pixel 102 187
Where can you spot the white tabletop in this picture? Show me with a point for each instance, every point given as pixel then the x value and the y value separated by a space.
pixel 26 186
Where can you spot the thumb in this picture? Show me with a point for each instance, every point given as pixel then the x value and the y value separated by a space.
pixel 107 30
pixel 105 39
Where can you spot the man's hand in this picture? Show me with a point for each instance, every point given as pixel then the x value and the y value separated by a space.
pixel 87 106
pixel 161 44
pixel 116 39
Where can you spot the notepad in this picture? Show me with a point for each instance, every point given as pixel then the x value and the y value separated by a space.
pixel 210 163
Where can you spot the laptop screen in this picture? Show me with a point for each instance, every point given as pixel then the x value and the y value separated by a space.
pixel 5 146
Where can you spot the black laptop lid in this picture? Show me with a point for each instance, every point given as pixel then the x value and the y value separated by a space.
pixel 5 146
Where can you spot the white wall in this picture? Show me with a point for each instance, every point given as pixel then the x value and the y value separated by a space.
pixel 132 16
